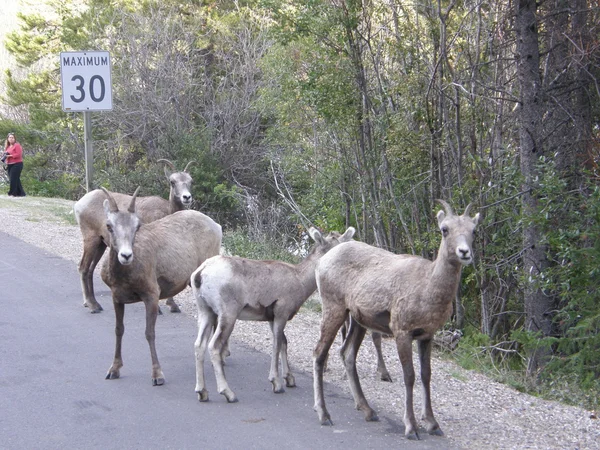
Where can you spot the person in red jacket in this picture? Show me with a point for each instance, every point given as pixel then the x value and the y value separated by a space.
pixel 14 160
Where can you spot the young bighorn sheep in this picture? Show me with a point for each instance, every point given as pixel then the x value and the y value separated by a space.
pixel 406 296
pixel 92 222
pixel 231 288
pixel 148 262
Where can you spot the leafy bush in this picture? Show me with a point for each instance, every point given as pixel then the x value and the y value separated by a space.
pixel 238 243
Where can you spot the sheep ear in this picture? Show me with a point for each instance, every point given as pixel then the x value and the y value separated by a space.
pixel 441 215
pixel 315 235
pixel 131 208
pixel 106 205
pixel 348 235
pixel 476 219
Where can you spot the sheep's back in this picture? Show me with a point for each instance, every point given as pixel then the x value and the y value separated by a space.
pixel 254 283
pixel 89 209
pixel 356 272
pixel 180 242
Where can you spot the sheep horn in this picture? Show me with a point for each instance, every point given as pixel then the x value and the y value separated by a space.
pixel 188 165
pixel 467 209
pixel 168 163
pixel 111 201
pixel 131 208
pixel 446 206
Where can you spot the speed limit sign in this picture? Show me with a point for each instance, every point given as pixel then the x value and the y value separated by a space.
pixel 86 81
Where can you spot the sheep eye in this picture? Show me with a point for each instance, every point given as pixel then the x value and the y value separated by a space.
pixel 172 183
pixel 109 227
pixel 444 231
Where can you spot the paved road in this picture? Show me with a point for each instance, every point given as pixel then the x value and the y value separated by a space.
pixel 53 395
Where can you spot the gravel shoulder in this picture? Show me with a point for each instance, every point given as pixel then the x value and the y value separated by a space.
pixel 474 411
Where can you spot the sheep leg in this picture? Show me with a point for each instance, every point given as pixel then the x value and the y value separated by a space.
pixel 114 370
pixel 216 346
pixel 275 377
pixel 404 346
pixel 382 371
pixel 174 308
pixel 425 358
pixel 93 249
pixel 349 352
pixel 158 378
pixel 343 334
pixel 226 351
pixel 290 381
pixel 206 321
pixel 330 324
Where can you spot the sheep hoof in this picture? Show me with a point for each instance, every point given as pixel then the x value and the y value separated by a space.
pixel 290 381
pixel 436 432
pixel 158 381
pixel 326 421
pixel 160 311
pixel 202 395
pixel 371 416
pixel 414 436
pixel 175 308
pixel 229 395
pixel 94 309
pixel 112 375
pixel 277 387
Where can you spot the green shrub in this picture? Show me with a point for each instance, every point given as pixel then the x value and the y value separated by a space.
pixel 238 243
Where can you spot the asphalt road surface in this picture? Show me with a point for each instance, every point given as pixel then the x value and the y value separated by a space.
pixel 54 356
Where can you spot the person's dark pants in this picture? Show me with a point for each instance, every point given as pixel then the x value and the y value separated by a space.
pixel 14 175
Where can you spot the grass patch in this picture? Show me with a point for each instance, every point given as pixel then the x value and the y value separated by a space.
pixel 41 209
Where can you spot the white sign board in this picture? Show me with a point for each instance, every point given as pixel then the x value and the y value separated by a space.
pixel 86 81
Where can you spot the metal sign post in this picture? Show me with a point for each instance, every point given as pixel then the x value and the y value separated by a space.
pixel 86 86
pixel 89 151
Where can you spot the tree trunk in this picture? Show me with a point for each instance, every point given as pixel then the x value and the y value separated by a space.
pixel 537 304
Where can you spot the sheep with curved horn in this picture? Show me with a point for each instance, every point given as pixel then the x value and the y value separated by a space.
pixel 406 296
pixel 148 262
pixel 92 222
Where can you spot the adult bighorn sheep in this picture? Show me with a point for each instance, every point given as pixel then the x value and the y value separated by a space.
pixel 92 222
pixel 231 288
pixel 148 262
pixel 406 296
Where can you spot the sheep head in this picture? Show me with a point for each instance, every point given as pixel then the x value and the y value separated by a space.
pixel 325 243
pixel 458 233
pixel 122 227
pixel 180 183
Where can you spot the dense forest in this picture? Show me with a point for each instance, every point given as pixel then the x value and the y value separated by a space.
pixel 344 112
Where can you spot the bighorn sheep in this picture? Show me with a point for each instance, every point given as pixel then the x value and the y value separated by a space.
pixel 158 265
pixel 406 296
pixel 92 222
pixel 231 288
